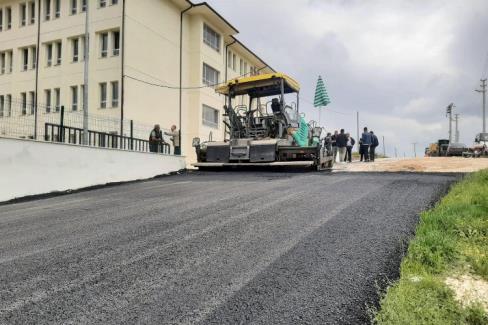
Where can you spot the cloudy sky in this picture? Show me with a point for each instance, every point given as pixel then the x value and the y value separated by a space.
pixel 399 63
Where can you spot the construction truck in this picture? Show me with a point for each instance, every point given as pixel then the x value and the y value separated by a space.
pixel 262 129
pixel 438 149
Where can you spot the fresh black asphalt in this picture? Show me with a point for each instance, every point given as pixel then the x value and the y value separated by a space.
pixel 211 248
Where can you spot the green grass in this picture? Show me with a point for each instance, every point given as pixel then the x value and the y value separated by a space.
pixel 451 239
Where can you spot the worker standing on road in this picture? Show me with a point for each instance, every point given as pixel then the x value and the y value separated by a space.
pixel 350 143
pixel 155 138
pixel 341 142
pixel 366 143
pixel 374 144
pixel 328 142
pixel 334 144
pixel 175 138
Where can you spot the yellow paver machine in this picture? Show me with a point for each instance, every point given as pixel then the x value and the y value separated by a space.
pixel 262 129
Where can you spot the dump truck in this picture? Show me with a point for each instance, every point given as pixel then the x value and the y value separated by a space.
pixel 264 127
pixel 438 149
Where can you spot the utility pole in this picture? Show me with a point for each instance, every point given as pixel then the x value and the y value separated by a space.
pixel 456 134
pixel 483 91
pixel 384 149
pixel 415 149
pixel 86 53
pixel 449 115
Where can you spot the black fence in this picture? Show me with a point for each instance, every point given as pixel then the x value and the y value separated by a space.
pixel 57 124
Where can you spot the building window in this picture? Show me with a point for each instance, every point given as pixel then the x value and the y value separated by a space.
pixel 8 14
pixel 211 38
pixel 57 8
pixel 229 59
pixel 210 116
pixel 47 93
pixel 47 9
pixel 23 14
pixel 210 75
pixel 74 7
pixel 83 46
pixel 8 105
pixel 1 19
pixel 115 93
pixel 23 100
pixel 59 53
pixel 114 2
pixel 49 54
pixel 10 58
pixel 103 95
pixel 74 98
pixel 83 5
pixel 102 3
pixel 33 50
pixel 234 59
pixel 2 62
pixel 241 67
pixel 76 49
pixel 25 59
pixel 103 45
pixel 2 105
pixel 57 99
pixel 245 68
pixel 32 12
pixel 116 42
pixel 32 101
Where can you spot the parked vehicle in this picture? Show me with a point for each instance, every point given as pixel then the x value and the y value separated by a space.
pixel 479 148
pixel 438 149
pixel 455 149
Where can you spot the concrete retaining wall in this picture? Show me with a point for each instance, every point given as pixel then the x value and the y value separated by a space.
pixel 32 167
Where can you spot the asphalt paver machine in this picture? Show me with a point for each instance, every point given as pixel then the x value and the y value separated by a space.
pixel 262 129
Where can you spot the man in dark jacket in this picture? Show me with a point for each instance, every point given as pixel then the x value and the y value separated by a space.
pixel 374 144
pixel 366 143
pixel 341 142
pixel 350 144
pixel 334 144
pixel 155 138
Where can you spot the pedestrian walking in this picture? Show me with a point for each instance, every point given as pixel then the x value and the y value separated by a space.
pixel 366 143
pixel 175 138
pixel 361 150
pixel 341 143
pixel 374 144
pixel 350 144
pixel 155 138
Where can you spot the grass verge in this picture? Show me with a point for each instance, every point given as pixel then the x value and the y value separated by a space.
pixel 451 239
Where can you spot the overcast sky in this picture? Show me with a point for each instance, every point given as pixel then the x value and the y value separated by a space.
pixel 399 63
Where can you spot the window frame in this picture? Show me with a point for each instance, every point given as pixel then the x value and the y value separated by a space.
pixel 104 45
pixel 47 96
pixel 102 86
pixel 25 59
pixel 116 43
pixel 216 114
pixel 114 87
pixel 205 80
pixel 32 12
pixel 209 32
pixel 32 97
pixel 23 14
pixel 73 7
pixel 23 100
pixel 57 99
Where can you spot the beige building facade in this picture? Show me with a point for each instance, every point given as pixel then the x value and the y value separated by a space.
pixel 140 53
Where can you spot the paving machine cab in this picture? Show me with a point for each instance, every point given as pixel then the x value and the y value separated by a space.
pixel 262 129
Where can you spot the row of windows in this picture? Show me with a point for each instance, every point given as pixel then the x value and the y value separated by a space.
pixel 51 9
pixel 212 39
pixel 243 65
pixel 109 44
pixel 52 99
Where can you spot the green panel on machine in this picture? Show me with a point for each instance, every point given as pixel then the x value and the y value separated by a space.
pixel 301 135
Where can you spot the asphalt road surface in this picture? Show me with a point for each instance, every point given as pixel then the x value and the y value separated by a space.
pixel 211 248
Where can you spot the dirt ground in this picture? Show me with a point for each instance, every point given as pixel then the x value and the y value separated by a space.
pixel 424 164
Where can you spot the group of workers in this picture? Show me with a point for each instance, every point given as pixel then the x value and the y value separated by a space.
pixel 157 142
pixel 341 144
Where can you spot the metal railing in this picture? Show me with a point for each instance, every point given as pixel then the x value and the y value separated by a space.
pixel 68 134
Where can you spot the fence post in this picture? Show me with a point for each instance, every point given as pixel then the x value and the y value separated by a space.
pixel 61 125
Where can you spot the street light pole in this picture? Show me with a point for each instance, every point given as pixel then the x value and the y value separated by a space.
pixel 483 91
pixel 86 53
pixel 415 149
pixel 449 115
pixel 384 149
pixel 456 134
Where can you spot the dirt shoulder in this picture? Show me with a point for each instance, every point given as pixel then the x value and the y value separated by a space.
pixel 424 164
